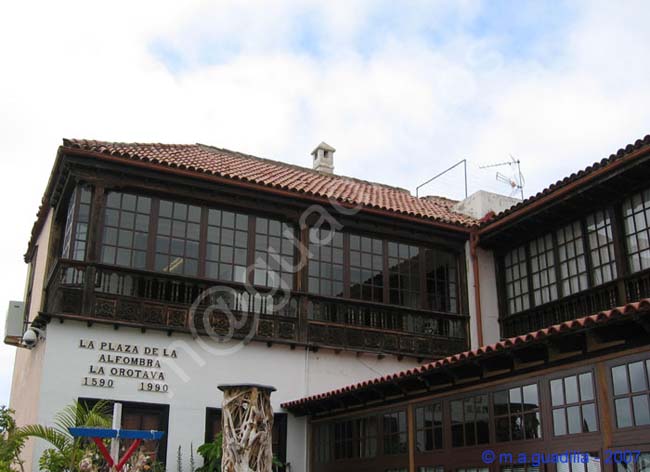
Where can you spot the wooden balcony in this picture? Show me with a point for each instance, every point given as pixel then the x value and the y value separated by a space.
pixel 624 290
pixel 147 300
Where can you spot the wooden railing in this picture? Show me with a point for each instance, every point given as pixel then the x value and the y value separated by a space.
pixel 604 297
pixel 95 292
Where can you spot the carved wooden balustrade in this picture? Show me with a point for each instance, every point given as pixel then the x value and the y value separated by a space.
pixel 565 309
pixel 122 296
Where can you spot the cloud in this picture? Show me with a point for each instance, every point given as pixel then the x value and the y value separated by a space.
pixel 401 90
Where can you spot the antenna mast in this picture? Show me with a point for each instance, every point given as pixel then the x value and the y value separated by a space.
pixel 464 162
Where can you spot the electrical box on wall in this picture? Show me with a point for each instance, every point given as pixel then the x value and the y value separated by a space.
pixel 15 323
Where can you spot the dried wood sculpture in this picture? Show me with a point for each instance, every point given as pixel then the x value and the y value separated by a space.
pixel 247 424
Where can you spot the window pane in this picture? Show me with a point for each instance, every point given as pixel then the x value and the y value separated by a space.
pixel 619 379
pixel 557 392
pixel 571 389
pixel 586 387
pixel 573 419
pixel 589 422
pixel 637 377
pixel 641 412
pixel 623 412
pixel 559 422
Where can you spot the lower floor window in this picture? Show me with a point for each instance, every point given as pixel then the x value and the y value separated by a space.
pixel 638 464
pixel 143 417
pixel 588 462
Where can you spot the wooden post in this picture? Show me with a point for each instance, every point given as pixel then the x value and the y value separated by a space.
pixel 410 421
pixel 247 426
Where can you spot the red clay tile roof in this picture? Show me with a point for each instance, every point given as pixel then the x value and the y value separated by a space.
pixel 640 307
pixel 640 145
pixel 242 167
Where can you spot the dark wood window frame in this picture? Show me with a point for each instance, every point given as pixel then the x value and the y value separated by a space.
pixel 161 409
pixel 203 259
pixel 591 244
pixel 421 291
pixel 77 222
pixel 470 425
pixel 149 264
pixel 518 416
pixel 631 392
pixel 566 406
pixel 635 211
pixel 434 432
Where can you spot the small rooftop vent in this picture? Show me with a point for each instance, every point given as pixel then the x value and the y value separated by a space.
pixel 324 158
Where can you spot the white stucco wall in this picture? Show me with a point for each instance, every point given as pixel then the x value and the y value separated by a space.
pixel 193 378
pixel 28 364
pixel 488 294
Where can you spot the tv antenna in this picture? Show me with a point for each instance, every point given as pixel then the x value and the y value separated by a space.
pixel 516 181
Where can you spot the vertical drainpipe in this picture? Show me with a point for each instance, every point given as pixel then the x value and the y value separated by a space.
pixel 473 245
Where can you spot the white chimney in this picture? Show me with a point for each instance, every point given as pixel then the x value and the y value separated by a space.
pixel 324 158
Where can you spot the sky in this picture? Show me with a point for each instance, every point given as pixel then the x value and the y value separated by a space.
pixel 402 90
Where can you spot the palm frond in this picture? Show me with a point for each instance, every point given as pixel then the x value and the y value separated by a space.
pixel 55 437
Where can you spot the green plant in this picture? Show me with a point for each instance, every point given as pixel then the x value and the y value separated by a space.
pixel 68 451
pixel 11 443
pixel 192 464
pixel 211 453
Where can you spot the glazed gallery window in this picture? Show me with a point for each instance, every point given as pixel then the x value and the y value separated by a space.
pixel 403 274
pixel 428 427
pixel 517 413
pixel 75 234
pixel 126 230
pixel 366 268
pixel 325 262
pixel 574 404
pixel 226 254
pixel 470 421
pixel 395 433
pixel 556 265
pixel 441 280
pixel 636 219
pixel 542 270
pixel 274 249
pixel 516 275
pixel 177 238
pixel 601 247
pixel 192 240
pixel 630 382
pixel 573 265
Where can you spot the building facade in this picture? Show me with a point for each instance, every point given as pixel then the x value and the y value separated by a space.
pixel 158 272
pixel 566 388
